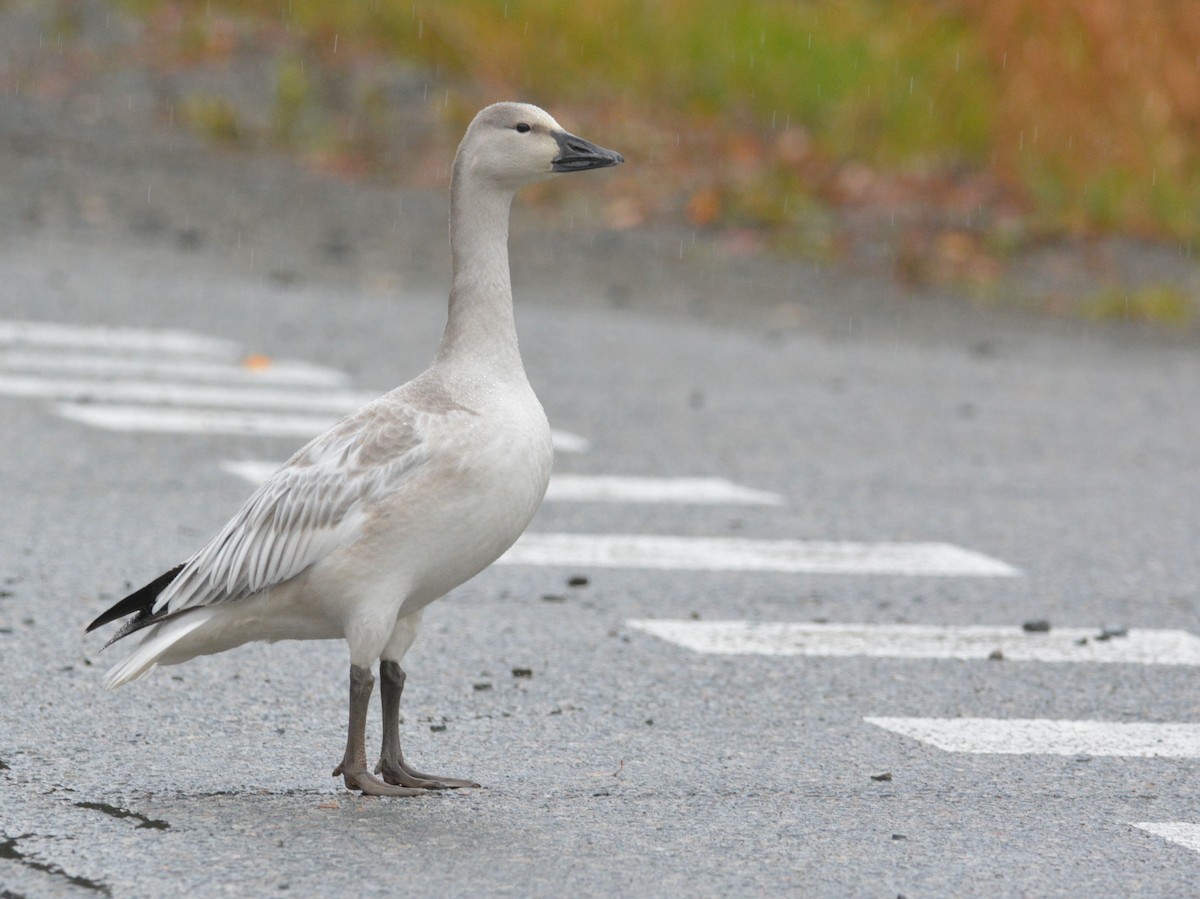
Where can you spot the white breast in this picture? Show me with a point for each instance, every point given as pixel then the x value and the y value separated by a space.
pixel 485 478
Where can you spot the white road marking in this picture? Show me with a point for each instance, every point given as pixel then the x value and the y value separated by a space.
pixel 278 372
pixel 251 470
pixel 179 394
pixel 918 641
pixel 566 442
pixel 1040 736
pixel 115 417
pixel 617 489
pixel 603 488
pixel 1184 833
pixel 735 554
pixel 100 337
pixel 600 488
pixel 194 421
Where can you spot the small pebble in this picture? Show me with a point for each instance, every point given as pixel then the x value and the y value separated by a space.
pixel 481 687
pixel 577 581
pixel 899 836
pixel 1037 626
pixel 996 655
pixel 522 672
pixel 1109 632
pixel 886 775
pixel 553 597
pixel 437 728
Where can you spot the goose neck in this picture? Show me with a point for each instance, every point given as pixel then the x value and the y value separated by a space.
pixel 480 326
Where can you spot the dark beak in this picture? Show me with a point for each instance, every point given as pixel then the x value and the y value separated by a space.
pixel 578 155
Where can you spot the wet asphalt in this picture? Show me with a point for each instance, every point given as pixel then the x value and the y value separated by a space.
pixel 613 763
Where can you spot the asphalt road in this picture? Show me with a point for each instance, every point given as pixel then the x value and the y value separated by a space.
pixel 624 763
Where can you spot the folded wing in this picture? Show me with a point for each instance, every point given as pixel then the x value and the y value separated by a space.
pixel 312 506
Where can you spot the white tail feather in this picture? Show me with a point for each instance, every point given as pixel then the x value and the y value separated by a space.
pixel 157 641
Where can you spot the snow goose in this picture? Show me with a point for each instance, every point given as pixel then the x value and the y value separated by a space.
pixel 399 502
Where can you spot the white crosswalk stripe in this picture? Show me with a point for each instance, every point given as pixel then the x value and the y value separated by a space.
pixel 691 491
pixel 1046 736
pixel 101 337
pixel 736 554
pixel 173 393
pixel 598 488
pixel 915 641
pixel 167 420
pixel 1182 833
pixel 92 365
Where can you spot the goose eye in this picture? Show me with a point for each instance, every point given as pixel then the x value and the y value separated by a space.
pixel 522 128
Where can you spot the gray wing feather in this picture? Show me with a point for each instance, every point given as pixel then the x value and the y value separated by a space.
pixel 309 508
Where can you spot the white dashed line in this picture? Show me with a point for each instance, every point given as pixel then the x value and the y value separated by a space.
pixel 734 554
pixel 566 442
pixel 1040 736
pixel 275 373
pixel 1184 833
pixel 594 488
pixel 250 470
pixel 100 337
pixel 194 421
pixel 617 489
pixel 166 420
pixel 914 641
pixel 181 394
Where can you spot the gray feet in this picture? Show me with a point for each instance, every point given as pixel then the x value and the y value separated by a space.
pixel 391 761
pixel 354 763
pixel 398 778
pixel 396 771
pixel 370 785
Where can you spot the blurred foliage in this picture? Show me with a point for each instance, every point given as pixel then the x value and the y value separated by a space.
pixel 882 81
pixel 212 116
pixel 1097 109
pixel 1158 303
pixel 970 125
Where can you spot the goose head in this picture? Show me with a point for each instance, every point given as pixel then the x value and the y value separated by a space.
pixel 510 145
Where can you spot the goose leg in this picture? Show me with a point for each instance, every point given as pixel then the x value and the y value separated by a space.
pixel 391 760
pixel 353 767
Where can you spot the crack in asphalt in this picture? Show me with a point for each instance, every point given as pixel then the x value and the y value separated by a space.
pixel 117 811
pixel 9 850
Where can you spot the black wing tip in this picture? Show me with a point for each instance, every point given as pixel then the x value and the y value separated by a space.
pixel 141 601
